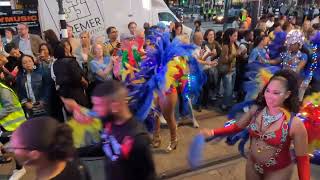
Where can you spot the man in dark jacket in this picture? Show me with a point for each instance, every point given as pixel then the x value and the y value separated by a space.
pixel 125 142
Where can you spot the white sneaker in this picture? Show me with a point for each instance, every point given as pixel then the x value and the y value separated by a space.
pixel 17 174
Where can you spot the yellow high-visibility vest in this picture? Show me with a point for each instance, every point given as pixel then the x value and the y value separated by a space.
pixel 13 120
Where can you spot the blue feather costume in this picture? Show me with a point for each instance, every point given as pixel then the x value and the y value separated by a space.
pixel 153 77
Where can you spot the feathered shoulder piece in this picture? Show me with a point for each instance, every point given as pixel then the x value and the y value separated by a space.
pixel 277 45
pixel 310 115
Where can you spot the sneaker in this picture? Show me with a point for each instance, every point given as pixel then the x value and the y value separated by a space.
pixel 18 174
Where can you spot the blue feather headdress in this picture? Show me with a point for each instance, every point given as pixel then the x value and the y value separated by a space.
pixel 312 69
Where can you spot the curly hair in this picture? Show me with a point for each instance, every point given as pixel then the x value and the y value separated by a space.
pixel 47 135
pixel 290 80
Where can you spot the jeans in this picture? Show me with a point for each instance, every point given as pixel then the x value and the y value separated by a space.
pixel 214 81
pixel 228 81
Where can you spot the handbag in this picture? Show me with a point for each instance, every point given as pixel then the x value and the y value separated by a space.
pixel 223 69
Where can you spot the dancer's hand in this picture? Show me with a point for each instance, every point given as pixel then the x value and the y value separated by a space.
pixel 207 132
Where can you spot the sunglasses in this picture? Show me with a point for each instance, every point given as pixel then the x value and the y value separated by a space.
pixel 12 149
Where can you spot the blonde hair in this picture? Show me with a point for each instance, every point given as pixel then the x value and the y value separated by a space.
pixel 95 45
pixel 184 38
pixel 85 33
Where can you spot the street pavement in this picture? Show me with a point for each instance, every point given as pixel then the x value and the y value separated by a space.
pixel 207 25
pixel 174 165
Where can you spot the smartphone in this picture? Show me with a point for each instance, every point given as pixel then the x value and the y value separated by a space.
pixel 203 46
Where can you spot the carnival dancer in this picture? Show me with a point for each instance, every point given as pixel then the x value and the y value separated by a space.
pixel 293 58
pixel 312 70
pixel 272 126
pixel 167 69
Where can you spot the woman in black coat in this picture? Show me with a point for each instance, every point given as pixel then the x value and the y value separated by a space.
pixel 69 77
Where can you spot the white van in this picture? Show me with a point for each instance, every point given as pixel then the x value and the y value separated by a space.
pixel 139 11
pixel 96 15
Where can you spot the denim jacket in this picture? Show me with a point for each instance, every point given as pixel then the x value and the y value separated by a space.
pixel 39 84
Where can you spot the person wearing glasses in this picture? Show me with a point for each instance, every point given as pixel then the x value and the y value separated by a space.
pixel 113 44
pixel 27 43
pixel 46 146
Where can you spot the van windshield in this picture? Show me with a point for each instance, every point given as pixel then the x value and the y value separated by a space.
pixel 166 17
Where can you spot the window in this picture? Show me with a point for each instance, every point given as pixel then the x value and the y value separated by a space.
pixel 165 16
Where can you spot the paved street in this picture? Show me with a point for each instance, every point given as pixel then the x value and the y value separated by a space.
pixel 175 163
pixel 207 25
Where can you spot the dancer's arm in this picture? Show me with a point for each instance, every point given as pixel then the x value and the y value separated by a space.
pixel 302 63
pixel 300 137
pixel 236 127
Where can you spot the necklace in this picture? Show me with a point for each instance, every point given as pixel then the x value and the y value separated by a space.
pixel 269 119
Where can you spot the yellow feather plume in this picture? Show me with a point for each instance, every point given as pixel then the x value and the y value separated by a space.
pixel 313 99
pixel 264 77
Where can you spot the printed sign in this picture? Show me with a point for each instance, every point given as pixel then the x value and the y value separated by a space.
pixel 80 14
pixel 11 18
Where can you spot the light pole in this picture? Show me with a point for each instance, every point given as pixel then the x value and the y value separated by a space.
pixel 256 12
pixel 226 13
pixel 63 23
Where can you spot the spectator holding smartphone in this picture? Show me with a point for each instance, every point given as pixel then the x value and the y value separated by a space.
pixel 112 44
pixel 201 54
pixel 213 55
pixel 32 87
